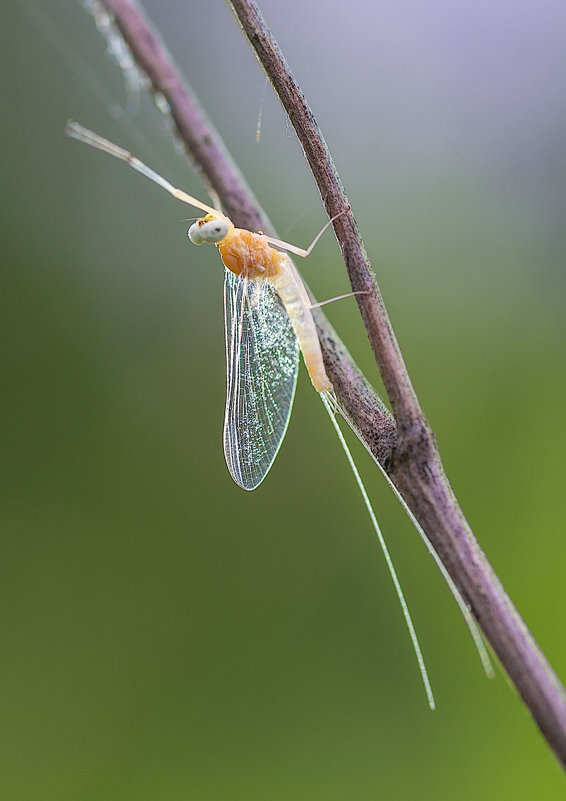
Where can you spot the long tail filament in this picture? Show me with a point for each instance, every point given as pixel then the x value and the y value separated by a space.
pixel 405 609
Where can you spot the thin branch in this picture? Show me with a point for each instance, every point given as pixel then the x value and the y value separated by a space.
pixel 416 467
pixel 380 332
pixel 405 448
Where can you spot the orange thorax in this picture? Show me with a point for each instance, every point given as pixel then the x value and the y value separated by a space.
pixel 248 254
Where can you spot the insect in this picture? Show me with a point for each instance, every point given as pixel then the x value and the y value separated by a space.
pixel 268 319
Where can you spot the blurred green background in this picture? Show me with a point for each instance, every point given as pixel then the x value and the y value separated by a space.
pixel 165 634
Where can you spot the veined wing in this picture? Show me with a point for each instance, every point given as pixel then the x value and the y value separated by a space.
pixel 262 362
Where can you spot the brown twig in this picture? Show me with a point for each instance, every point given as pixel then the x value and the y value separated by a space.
pixel 406 447
pixel 218 170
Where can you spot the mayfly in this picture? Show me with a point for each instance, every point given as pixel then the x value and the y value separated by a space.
pixel 268 320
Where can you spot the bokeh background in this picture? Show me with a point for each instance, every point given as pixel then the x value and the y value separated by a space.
pixel 165 634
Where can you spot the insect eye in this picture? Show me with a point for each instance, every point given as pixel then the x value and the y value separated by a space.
pixel 211 231
pixel 195 234
pixel 214 231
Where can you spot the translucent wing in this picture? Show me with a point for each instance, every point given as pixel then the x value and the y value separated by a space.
pixel 262 362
